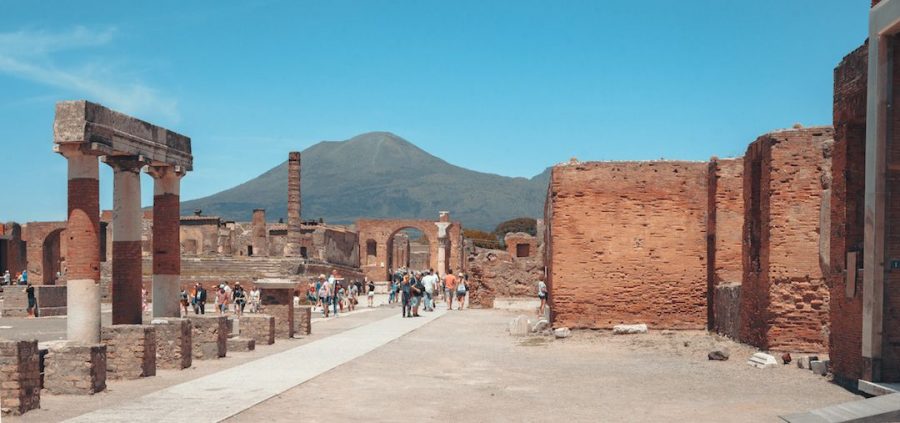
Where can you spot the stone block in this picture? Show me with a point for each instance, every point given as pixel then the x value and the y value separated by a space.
pixel 277 300
pixel 762 361
pixel 562 332
pixel 540 326
pixel 629 329
pixel 241 344
pixel 130 351
pixel 20 378
pixel 75 369
pixel 303 320
pixel 209 336
pixel 173 343
pixel 819 367
pixel 520 326
pixel 259 327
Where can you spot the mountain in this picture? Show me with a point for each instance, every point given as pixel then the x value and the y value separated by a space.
pixel 380 175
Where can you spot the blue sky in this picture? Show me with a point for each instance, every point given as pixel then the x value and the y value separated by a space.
pixel 507 87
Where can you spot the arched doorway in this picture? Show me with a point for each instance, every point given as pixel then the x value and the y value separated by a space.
pixel 51 262
pixel 409 248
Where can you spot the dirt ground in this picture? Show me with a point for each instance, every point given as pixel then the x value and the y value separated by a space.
pixel 465 367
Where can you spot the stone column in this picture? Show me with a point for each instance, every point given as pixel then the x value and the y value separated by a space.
pixel 83 245
pixel 126 240
pixel 166 240
pixel 292 248
pixel 259 234
pixel 443 237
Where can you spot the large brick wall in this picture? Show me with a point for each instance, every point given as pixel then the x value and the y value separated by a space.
pixel 784 297
pixel 847 219
pixel 725 203
pixel 626 243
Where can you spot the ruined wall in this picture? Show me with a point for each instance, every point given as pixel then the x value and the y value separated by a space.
pixel 14 256
pixel 520 244
pixel 725 203
pixel 199 235
pixel 380 231
pixel 45 243
pixel 496 273
pixel 339 246
pixel 847 215
pixel 626 243
pixel 784 297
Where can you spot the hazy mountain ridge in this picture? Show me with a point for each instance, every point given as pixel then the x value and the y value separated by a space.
pixel 380 175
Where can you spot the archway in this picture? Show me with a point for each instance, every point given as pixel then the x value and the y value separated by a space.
pixel 51 260
pixel 409 247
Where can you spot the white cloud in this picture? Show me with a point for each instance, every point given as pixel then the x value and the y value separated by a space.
pixel 30 55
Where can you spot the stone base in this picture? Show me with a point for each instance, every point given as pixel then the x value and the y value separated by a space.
pixel 130 351
pixel 173 343
pixel 302 320
pixel 277 299
pixel 75 369
pixel 209 336
pixel 259 327
pixel 241 344
pixel 20 377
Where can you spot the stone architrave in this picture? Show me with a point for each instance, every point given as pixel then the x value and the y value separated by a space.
pixel 277 299
pixel 166 240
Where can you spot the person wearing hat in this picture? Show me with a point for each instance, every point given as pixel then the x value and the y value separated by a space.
pixel 461 289
pixel 240 299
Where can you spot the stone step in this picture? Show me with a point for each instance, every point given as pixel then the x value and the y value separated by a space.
pixel 241 344
pixel 762 360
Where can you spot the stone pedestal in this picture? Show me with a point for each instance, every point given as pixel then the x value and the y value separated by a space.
pixel 75 369
pixel 241 344
pixel 20 376
pixel 303 320
pixel 130 351
pixel 260 328
pixel 277 299
pixel 173 343
pixel 209 336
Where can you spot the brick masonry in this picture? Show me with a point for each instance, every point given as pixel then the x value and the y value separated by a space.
pixel 209 336
pixel 303 320
pixel 626 243
pixel 173 343
pixel 847 215
pixel 130 351
pixel 495 273
pixel 279 303
pixel 521 245
pixel 83 230
pixel 727 308
pixel 20 376
pixel 784 297
pixel 75 369
pixel 724 225
pixel 166 242
pixel 259 327
pixel 126 282
pixel 381 231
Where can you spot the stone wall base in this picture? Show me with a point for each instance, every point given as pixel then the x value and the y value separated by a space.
pixel 130 351
pixel 727 309
pixel 75 369
pixel 209 336
pixel 259 327
pixel 302 320
pixel 20 377
pixel 173 343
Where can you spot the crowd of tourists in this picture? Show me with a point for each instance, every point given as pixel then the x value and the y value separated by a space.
pixel 334 294
pixel 226 299
pixel 21 278
pixel 413 289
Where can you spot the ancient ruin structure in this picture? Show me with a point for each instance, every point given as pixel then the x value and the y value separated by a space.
pixel 293 247
pixel 376 240
pixel 724 227
pixel 626 243
pixel 84 131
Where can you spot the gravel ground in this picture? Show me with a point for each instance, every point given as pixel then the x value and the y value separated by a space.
pixel 464 366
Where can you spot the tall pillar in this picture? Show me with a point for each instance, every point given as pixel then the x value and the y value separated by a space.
pixel 166 240
pixel 292 248
pixel 126 240
pixel 443 238
pixel 83 245
pixel 259 234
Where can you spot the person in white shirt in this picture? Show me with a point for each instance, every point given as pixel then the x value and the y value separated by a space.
pixel 430 281
pixel 6 279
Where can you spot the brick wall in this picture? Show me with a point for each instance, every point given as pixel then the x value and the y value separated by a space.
pixel 784 297
pixel 130 351
pixel 495 273
pixel 890 358
pixel 20 376
pixel 516 240
pixel 626 243
pixel 847 219
pixel 45 244
pixel 725 203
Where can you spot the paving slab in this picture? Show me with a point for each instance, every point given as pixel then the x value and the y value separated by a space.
pixel 244 386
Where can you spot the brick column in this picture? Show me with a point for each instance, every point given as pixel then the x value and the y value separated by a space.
pixel 292 248
pixel 259 238
pixel 166 240
pixel 83 245
pixel 126 240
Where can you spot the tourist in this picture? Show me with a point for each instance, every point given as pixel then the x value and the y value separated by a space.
pixel 32 301
pixel 144 301
pixel 311 293
pixel 200 300
pixel 240 299
pixel 221 299
pixel 417 290
pixel 319 283
pixel 370 292
pixel 542 293
pixel 461 289
pixel 335 298
pixel 429 282
pixel 19 279
pixel 25 277
pixel 354 297
pixel 254 300
pixel 392 289
pixel 184 302
pixel 449 288
pixel 325 297
pixel 6 277
pixel 341 295
pixel 405 296
pixel 228 297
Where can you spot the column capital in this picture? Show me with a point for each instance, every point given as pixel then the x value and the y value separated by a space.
pixel 165 171
pixel 132 164
pixel 70 150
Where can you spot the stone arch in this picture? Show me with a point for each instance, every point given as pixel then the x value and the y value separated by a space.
pixel 51 257
pixel 409 260
pixel 382 231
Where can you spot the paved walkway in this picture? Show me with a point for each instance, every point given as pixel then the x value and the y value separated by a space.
pixel 239 388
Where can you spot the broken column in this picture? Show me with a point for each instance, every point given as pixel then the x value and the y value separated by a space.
pixel 277 299
pixel 292 248
pixel 83 244
pixel 126 239
pixel 166 240
pixel 443 255
pixel 259 238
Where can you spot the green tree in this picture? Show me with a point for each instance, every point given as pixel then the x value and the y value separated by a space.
pixel 519 224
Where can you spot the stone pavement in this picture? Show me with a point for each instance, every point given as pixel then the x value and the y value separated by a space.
pixel 239 388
